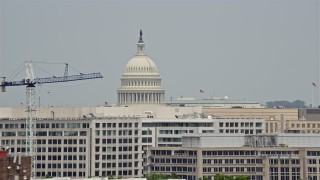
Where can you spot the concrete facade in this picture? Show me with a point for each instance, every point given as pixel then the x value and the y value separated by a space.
pixel 256 163
pixel 267 157
pixel 158 112
pixel 113 145
pixel 105 146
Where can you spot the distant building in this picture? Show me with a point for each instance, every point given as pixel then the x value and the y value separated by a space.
pixel 213 103
pixel 260 157
pixel 309 114
pixel 109 146
pixel 265 113
pixel 89 145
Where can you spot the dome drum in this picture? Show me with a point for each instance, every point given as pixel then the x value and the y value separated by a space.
pixel 139 97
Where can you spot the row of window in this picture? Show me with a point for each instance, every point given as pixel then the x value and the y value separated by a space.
pixel 114 132
pixel 284 161
pixel 46 125
pixel 51 149
pixel 113 165
pixel 173 160
pixel 284 170
pixel 313 153
pixel 169 140
pixel 113 157
pixel 176 124
pixel 120 173
pixel 64 165
pixel 242 124
pixel 313 169
pixel 173 131
pixel 172 169
pixel 228 153
pixel 46 133
pixel 60 174
pixel 232 169
pixel 62 157
pixel 113 141
pixel 243 131
pixel 313 161
pixel 275 153
pixel 59 141
pixel 180 131
pixel 57 149
pixel 232 161
pixel 114 125
pixel 304 125
pixel 116 149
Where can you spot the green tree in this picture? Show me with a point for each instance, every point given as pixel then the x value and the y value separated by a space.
pixel 154 176
pixel 226 177
pixel 298 104
pixel 286 104
pixel 242 177
pixel 48 177
pixel 174 176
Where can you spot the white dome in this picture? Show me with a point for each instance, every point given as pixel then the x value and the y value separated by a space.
pixel 141 64
pixel 140 82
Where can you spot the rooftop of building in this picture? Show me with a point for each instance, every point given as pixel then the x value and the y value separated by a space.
pixel 252 135
pixel 209 102
pixel 257 140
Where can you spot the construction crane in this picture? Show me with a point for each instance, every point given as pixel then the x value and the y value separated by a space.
pixel 30 81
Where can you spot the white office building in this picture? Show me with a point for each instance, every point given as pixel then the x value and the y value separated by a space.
pixel 259 157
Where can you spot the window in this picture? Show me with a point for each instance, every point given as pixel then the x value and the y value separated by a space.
pixel 70 133
pixel 73 125
pixel 55 133
pixel 97 148
pixel 97 125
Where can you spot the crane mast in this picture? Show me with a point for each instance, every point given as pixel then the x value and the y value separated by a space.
pixel 31 143
pixel 30 81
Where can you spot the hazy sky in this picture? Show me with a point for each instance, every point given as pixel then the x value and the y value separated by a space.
pixel 257 50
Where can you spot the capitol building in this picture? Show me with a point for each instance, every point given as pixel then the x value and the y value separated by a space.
pixel 141 81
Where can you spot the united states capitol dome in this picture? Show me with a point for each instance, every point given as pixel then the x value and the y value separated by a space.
pixel 141 81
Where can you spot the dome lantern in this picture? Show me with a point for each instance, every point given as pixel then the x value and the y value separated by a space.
pixel 140 45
